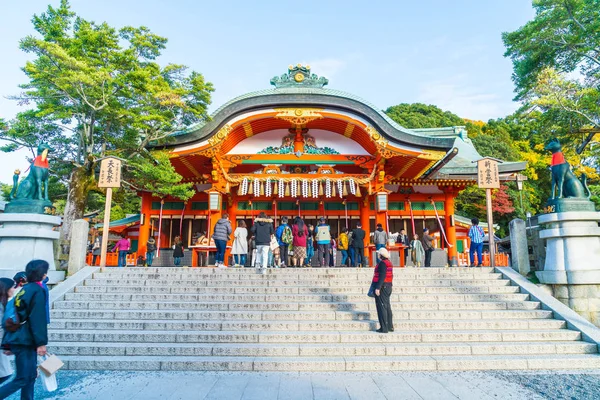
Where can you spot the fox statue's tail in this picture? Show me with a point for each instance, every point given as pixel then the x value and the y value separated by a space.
pixel 585 185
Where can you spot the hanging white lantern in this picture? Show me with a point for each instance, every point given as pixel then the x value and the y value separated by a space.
pixel 340 185
pixel 294 189
pixel 328 188
pixel 315 188
pixel 281 188
pixel 352 186
pixel 256 187
pixel 244 187
pixel 268 188
pixel 305 188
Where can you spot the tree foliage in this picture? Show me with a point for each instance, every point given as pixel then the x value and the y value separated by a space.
pixel 96 90
pixel 556 64
pixel 418 115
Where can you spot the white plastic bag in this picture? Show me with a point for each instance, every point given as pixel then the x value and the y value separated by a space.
pixel 48 381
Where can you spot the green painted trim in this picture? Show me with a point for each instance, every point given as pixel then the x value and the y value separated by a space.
pixel 200 205
pixel 427 206
pixel 169 205
pixel 256 206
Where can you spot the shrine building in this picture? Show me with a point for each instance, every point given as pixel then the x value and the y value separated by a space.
pixel 303 149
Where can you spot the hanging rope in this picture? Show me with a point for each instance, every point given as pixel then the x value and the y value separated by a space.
pixel 440 224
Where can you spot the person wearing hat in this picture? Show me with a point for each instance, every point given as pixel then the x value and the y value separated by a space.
pixel 382 279
pixel 323 235
pixel 427 246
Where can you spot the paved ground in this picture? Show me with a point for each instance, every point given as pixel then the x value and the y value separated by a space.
pixel 102 385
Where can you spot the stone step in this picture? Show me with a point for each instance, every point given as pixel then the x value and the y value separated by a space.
pixel 301 276
pixel 318 350
pixel 352 337
pixel 276 298
pixel 292 306
pixel 288 271
pixel 293 290
pixel 354 363
pixel 365 325
pixel 296 283
pixel 132 315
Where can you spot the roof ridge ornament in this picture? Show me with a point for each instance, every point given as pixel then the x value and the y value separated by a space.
pixel 299 76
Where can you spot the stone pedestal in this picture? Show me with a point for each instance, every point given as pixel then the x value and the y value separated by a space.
pixel 572 268
pixel 26 237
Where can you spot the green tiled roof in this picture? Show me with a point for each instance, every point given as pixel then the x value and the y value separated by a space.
pixel 121 222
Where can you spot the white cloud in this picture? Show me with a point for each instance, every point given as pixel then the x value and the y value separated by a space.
pixel 465 100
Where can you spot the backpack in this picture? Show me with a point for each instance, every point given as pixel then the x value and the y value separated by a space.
pixel 286 236
pixel 323 234
pixel 10 320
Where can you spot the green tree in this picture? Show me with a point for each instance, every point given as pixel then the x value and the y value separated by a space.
pixel 563 38
pixel 418 115
pixel 99 91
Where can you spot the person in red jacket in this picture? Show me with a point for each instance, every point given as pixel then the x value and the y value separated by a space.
pixel 382 279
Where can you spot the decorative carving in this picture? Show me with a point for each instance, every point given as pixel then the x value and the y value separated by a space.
pixel 299 116
pixel 272 169
pixel 299 76
pixel 237 158
pixel 287 147
pixel 431 155
pixel 361 161
pixel 376 137
pixel 218 138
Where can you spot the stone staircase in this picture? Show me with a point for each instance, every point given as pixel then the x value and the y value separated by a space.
pixel 307 320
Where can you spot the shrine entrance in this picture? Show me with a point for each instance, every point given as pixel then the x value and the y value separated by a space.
pixel 301 149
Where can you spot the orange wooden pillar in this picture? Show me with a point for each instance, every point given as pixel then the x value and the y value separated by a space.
pixel 232 211
pixel 365 210
pixel 144 235
pixel 450 228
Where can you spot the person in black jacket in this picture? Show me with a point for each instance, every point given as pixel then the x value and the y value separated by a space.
pixel 31 338
pixel 263 231
pixel 358 244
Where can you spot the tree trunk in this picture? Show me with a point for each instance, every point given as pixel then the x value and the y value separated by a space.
pixel 80 182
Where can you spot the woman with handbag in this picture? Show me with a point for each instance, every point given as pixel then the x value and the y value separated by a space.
pixel 382 288
pixel 28 337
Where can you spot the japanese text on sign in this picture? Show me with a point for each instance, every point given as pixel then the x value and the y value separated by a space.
pixel 487 174
pixel 110 173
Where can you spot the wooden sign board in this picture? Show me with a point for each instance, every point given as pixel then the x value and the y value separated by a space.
pixel 487 174
pixel 110 173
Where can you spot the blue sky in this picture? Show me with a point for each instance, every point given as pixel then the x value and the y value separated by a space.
pixel 447 53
